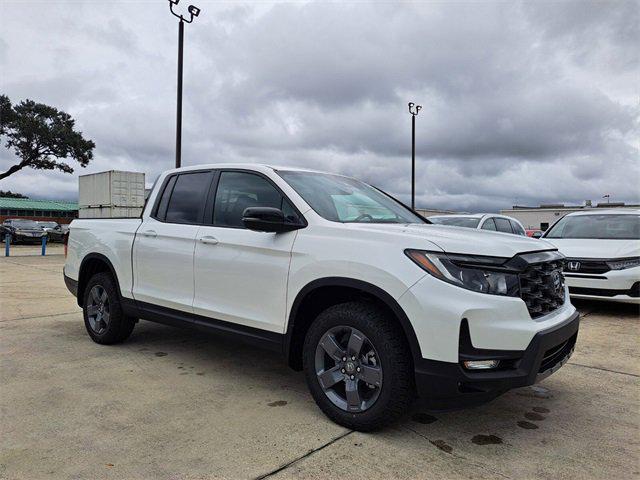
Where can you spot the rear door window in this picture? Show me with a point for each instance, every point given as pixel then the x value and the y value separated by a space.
pixel 161 211
pixel 188 198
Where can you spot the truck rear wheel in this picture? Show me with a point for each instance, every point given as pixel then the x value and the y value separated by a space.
pixel 357 366
pixel 104 319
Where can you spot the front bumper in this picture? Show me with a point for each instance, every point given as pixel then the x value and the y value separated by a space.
pixel 27 237
pixel 613 286
pixel 446 385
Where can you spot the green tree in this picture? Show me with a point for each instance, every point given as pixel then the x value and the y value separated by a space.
pixel 40 135
pixel 10 194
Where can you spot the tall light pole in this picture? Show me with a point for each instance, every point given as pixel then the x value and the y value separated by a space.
pixel 193 12
pixel 413 110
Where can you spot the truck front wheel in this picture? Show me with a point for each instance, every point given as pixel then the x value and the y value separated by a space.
pixel 357 366
pixel 104 319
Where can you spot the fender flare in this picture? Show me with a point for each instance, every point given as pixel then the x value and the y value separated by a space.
pixel 366 287
pixel 102 258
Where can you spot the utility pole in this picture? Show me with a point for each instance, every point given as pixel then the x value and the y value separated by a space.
pixel 413 110
pixel 193 12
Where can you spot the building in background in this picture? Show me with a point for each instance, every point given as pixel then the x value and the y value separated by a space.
pixel 544 216
pixel 39 210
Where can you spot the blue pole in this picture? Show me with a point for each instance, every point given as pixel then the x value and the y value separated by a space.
pixel 7 242
pixel 44 244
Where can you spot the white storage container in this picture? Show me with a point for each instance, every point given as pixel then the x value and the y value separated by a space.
pixel 111 189
pixel 112 194
pixel 109 212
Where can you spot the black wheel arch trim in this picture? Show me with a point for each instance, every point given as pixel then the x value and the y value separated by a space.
pixel 80 285
pixel 365 287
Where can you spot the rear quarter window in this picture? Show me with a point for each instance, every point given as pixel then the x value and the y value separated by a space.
pixel 503 225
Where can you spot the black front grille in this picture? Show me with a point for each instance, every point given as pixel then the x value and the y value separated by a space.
pixel 585 265
pixel 542 287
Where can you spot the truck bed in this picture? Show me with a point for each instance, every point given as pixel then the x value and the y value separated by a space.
pixel 111 238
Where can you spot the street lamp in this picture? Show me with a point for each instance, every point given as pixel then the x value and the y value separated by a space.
pixel 413 110
pixel 193 12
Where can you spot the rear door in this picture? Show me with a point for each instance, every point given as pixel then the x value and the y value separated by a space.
pixel 241 275
pixel 164 245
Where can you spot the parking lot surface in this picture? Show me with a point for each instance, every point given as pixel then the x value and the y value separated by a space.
pixel 176 404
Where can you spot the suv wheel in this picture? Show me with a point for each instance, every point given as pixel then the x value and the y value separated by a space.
pixel 104 319
pixel 357 366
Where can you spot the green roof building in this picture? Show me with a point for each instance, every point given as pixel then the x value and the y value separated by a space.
pixel 41 210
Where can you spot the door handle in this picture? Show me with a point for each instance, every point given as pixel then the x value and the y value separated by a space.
pixel 149 233
pixel 209 240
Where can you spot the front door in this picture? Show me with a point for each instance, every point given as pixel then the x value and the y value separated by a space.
pixel 241 275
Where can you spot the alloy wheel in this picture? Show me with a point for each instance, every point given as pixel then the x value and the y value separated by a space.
pixel 98 309
pixel 348 369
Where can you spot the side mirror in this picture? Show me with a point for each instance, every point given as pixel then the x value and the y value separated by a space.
pixel 537 235
pixel 267 219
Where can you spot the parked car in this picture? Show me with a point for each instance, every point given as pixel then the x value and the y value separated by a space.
pixel 534 233
pixel 481 221
pixel 22 230
pixel 373 302
pixel 603 253
pixel 55 232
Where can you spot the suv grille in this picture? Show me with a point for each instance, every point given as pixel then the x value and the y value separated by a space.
pixel 583 265
pixel 542 287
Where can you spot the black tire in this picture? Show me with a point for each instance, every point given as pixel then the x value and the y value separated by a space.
pixel 397 390
pixel 119 326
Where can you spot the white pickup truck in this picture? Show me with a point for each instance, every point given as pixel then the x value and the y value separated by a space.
pixel 377 305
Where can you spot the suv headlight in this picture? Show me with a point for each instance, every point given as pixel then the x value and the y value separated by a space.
pixel 480 274
pixel 624 263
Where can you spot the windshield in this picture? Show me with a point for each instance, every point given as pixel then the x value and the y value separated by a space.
pixel 48 224
pixel 609 227
pixel 469 222
pixel 24 224
pixel 346 200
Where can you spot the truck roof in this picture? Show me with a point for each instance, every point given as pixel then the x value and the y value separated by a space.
pixel 260 167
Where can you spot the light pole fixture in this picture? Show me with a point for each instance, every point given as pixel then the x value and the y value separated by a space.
pixel 193 12
pixel 413 110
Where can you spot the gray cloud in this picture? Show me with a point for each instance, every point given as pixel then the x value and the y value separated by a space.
pixel 523 102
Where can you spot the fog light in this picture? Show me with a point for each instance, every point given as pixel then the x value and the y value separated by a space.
pixel 481 364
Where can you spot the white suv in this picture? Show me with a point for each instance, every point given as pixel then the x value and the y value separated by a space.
pixel 481 221
pixel 376 304
pixel 603 253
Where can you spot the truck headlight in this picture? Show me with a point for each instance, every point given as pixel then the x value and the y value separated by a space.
pixel 624 263
pixel 480 274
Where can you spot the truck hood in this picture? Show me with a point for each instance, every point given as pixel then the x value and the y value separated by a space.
pixel 596 248
pixel 463 240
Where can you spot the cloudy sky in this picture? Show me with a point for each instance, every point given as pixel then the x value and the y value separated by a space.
pixel 523 102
